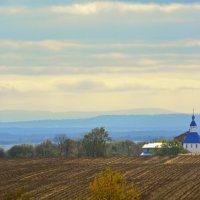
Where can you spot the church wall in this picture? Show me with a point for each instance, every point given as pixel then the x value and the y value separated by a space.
pixel 192 147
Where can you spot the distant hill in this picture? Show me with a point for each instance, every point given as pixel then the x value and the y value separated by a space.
pixel 23 115
pixel 133 127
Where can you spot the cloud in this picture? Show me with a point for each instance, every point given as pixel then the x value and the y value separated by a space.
pixel 91 86
pixel 115 86
pixel 134 87
pixel 9 90
pixel 97 7
pixel 92 8
pixel 138 66
pixel 149 62
pixel 192 43
pixel 107 92
pixel 54 45
pixel 188 88
pixel 14 10
pixel 83 86
pixel 58 45
pixel 113 55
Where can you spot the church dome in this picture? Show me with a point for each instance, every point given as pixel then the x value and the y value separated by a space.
pixel 193 123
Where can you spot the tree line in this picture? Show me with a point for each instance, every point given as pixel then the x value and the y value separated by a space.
pixel 95 143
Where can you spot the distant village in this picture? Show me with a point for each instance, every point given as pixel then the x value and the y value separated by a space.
pixel 190 141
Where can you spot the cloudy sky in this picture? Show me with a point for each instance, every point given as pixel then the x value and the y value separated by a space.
pixel 85 55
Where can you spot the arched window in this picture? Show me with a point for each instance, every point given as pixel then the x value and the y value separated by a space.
pixel 196 145
pixel 191 145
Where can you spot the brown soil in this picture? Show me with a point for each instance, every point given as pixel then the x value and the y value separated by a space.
pixel 155 177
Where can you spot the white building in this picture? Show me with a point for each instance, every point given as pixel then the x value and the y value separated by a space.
pixel 148 148
pixel 192 141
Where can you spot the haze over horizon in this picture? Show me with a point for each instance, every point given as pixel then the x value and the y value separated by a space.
pixel 99 55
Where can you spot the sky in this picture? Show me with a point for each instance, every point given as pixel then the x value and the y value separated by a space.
pixel 85 55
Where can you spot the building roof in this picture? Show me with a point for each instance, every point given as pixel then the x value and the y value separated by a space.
pixel 193 123
pixel 192 138
pixel 152 145
pixel 146 154
pixel 182 137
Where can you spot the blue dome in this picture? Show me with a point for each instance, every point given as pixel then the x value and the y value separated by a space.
pixel 192 138
pixel 193 123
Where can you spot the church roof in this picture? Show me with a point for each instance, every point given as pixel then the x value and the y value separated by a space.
pixel 193 123
pixel 182 136
pixel 192 138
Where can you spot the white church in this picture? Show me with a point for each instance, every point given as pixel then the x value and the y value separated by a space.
pixel 191 141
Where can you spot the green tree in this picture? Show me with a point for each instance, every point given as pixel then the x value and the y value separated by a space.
pixel 94 143
pixel 2 153
pixel 46 149
pixel 169 147
pixel 65 145
pixel 69 147
pixel 126 148
pixel 60 141
pixel 79 148
pixel 110 185
pixel 21 151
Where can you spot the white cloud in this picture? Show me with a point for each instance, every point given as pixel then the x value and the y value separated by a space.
pixel 19 92
pixel 83 86
pixel 113 55
pixel 139 67
pixel 85 9
pixel 97 7
pixel 54 45
pixel 149 62
pixel 8 90
pixel 193 43
pixel 14 10
pixel 103 6
pixel 57 45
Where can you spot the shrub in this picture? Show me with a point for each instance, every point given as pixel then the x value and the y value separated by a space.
pixel 46 149
pixel 21 151
pixel 170 147
pixel 110 185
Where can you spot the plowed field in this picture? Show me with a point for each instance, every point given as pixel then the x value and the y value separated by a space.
pixel 155 177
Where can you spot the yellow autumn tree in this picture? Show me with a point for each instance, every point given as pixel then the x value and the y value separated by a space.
pixel 110 185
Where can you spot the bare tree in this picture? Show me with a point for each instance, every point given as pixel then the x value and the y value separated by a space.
pixel 60 141
pixel 66 146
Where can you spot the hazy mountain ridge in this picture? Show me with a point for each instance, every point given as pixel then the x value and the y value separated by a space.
pixel 23 115
pixel 134 127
